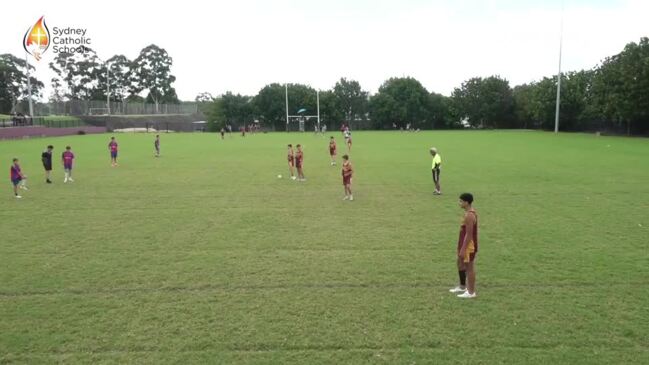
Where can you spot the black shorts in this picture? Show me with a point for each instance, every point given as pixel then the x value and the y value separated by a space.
pixel 436 175
pixel 47 166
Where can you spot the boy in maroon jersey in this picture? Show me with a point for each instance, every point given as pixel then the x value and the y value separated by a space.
pixel 348 171
pixel 332 150
pixel 67 157
pixel 467 248
pixel 291 161
pixel 299 159
pixel 112 147
pixel 17 177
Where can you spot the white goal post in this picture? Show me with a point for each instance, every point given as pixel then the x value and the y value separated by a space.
pixel 300 117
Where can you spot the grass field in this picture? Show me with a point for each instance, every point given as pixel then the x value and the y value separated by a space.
pixel 205 256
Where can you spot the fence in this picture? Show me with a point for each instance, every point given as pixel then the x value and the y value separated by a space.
pixel 42 122
pixel 89 107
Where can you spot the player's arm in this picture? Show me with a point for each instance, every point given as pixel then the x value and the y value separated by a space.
pixel 469 222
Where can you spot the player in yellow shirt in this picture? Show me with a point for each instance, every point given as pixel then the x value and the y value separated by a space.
pixel 437 165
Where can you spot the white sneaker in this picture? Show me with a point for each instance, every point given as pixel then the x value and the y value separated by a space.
pixel 18 197
pixel 467 295
pixel 293 177
pixel 346 197
pixel 23 187
pixel 457 289
pixel 65 180
pixel 70 180
pixel 351 198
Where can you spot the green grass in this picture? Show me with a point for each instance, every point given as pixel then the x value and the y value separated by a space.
pixel 204 256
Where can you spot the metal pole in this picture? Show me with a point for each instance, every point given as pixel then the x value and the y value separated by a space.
pixel 108 87
pixel 286 94
pixel 556 114
pixel 317 97
pixel 29 88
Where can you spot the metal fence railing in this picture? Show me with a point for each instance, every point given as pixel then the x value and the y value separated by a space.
pixel 42 121
pixel 99 107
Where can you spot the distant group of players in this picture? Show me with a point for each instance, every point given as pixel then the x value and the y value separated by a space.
pixel 467 246
pixel 19 179
pixel 295 161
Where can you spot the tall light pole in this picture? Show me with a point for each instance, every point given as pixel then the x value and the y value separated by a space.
pixel 29 87
pixel 108 87
pixel 556 114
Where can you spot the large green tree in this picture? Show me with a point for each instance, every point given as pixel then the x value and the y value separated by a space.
pixel 270 106
pixel 13 82
pixel 80 75
pixel 621 87
pixel 486 102
pixel 151 71
pixel 401 101
pixel 350 99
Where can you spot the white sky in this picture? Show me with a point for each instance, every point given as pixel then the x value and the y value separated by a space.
pixel 241 46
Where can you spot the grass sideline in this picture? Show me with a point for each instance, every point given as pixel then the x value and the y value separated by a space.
pixel 203 255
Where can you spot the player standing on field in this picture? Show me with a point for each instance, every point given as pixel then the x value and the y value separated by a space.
pixel 332 150
pixel 17 177
pixel 299 159
pixel 437 165
pixel 156 145
pixel 112 147
pixel 348 139
pixel 467 248
pixel 347 173
pixel 291 161
pixel 46 158
pixel 67 158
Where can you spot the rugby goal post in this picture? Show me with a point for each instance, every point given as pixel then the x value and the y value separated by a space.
pixel 301 118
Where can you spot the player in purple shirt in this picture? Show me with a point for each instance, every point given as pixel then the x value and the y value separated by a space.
pixel 112 146
pixel 67 158
pixel 17 178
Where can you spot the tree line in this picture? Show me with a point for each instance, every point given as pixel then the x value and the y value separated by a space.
pixel 614 96
pixel 85 76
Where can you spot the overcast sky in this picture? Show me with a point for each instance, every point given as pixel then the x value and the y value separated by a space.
pixel 241 46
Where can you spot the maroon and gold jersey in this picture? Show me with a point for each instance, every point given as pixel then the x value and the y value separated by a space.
pixel 299 156
pixel 463 231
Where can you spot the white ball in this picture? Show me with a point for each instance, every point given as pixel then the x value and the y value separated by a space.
pixel 279 176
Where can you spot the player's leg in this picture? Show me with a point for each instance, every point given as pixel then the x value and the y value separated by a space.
pixel 470 275
pixel 461 270
pixel 23 183
pixel 349 190
pixel 436 181
pixel 69 170
pixel 15 184
pixel 437 185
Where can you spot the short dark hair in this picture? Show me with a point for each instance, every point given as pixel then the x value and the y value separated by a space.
pixel 345 157
pixel 467 197
pixel 332 137
pixel 290 145
pixel 298 145
pixel 68 147
pixel 15 159
pixel 50 147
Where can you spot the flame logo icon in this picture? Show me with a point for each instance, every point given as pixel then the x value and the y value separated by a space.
pixel 37 39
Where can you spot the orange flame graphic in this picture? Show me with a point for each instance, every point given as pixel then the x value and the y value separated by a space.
pixel 37 39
